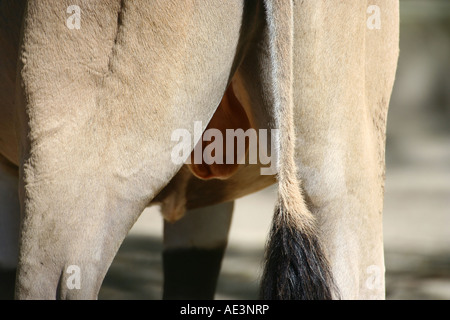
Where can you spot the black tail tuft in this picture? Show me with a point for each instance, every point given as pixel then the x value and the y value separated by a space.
pixel 295 266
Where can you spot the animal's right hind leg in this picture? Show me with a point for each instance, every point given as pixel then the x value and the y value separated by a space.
pixel 9 228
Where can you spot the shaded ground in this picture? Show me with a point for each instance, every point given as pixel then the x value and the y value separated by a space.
pixel 136 272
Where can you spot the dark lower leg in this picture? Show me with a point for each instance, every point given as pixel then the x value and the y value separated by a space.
pixel 191 273
pixel 7 283
pixel 193 250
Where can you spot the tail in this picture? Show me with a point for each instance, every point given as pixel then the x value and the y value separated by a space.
pixel 295 265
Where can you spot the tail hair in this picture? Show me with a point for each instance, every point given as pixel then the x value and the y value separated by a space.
pixel 295 264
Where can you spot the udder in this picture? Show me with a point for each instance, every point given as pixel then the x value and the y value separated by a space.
pixel 230 114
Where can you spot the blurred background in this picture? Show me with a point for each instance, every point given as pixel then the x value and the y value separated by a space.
pixel 417 201
pixel 417 198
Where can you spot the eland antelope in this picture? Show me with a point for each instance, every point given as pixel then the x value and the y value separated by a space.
pixel 92 91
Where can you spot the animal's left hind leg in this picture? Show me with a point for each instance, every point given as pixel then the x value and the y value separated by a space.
pixel 9 228
pixel 193 250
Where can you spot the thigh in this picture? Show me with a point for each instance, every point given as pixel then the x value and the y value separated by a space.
pixel 342 92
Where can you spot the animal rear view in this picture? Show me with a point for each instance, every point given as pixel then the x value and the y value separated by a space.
pixel 107 107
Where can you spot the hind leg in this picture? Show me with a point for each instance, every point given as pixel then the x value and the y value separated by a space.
pixel 193 250
pixel 9 228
